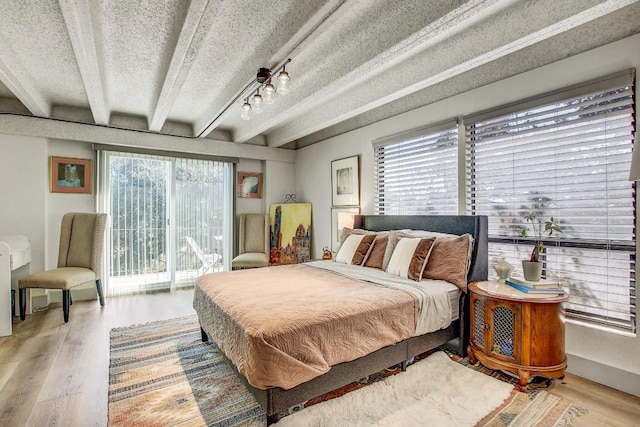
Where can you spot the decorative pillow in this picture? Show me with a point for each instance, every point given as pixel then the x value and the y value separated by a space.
pixel 355 249
pixel 346 232
pixel 376 255
pixel 394 238
pixel 425 233
pixel 410 257
pixel 449 260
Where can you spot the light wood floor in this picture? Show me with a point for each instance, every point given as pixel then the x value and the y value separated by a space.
pixel 57 374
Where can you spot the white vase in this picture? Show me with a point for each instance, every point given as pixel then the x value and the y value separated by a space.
pixel 503 270
pixel 532 270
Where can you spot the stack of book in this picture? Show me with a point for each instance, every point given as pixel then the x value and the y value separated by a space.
pixel 541 287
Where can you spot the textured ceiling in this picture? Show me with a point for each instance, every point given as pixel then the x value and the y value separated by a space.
pixel 173 66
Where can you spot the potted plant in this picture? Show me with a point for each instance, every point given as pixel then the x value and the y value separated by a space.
pixel 532 268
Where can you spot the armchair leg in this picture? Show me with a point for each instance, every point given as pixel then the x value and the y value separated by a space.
pixel 23 302
pixel 99 288
pixel 66 300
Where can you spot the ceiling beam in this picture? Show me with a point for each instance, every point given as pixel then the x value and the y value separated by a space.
pixel 18 80
pixel 197 25
pixel 447 26
pixel 77 16
pixel 89 133
pixel 345 109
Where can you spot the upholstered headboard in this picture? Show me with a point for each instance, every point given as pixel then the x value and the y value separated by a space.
pixel 452 224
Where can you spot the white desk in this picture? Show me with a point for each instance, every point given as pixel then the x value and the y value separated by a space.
pixel 15 253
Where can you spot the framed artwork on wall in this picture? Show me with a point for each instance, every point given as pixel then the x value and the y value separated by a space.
pixel 345 182
pixel 340 218
pixel 250 185
pixel 69 175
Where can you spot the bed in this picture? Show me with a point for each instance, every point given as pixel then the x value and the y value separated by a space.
pixel 285 365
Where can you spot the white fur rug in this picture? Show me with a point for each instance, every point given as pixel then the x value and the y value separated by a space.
pixel 435 391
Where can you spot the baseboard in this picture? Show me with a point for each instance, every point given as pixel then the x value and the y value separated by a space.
pixel 612 377
pixel 77 294
pixel 39 302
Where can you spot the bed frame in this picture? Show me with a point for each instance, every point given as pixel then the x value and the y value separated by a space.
pixel 276 400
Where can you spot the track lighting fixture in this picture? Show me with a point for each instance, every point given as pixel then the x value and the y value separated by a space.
pixel 258 92
pixel 270 87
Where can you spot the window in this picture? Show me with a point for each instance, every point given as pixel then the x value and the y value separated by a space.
pixel 170 219
pixel 417 172
pixel 564 155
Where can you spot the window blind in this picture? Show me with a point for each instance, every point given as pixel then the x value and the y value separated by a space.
pixel 417 172
pixel 564 155
pixel 171 219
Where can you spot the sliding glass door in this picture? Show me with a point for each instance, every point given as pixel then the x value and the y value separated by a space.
pixel 170 219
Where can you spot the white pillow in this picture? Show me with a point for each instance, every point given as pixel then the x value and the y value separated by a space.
pixel 348 248
pixel 425 233
pixel 410 257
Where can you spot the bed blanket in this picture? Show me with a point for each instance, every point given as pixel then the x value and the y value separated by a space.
pixel 282 326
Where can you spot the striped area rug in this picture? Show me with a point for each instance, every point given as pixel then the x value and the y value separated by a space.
pixel 162 374
pixel 538 408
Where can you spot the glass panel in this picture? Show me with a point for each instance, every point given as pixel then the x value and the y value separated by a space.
pixel 478 323
pixel 503 331
pixel 200 212
pixel 171 220
pixel 138 217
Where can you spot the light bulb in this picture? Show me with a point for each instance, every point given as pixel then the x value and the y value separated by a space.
pixel 268 91
pixel 257 103
pixel 246 111
pixel 283 82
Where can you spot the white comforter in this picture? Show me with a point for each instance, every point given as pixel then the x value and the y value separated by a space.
pixel 435 303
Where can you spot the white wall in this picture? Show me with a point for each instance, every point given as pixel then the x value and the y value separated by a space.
pixel 23 188
pixel 58 204
pixel 248 205
pixel 28 207
pixel 602 356
pixel 277 181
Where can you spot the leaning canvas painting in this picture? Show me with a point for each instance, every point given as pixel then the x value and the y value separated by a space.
pixel 290 225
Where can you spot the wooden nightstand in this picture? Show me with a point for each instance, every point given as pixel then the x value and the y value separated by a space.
pixel 516 333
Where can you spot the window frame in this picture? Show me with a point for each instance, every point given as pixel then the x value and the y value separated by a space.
pixel 407 144
pixel 466 187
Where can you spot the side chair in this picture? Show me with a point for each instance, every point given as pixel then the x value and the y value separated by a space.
pixel 79 260
pixel 254 241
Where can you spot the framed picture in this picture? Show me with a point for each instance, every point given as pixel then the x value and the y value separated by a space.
pixel 69 175
pixel 340 218
pixel 345 182
pixel 250 185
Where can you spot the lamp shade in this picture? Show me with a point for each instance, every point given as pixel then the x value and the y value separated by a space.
pixel 283 82
pixel 268 92
pixel 257 103
pixel 246 111
pixel 634 171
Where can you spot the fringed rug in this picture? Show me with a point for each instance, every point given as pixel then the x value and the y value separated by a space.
pixel 162 374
